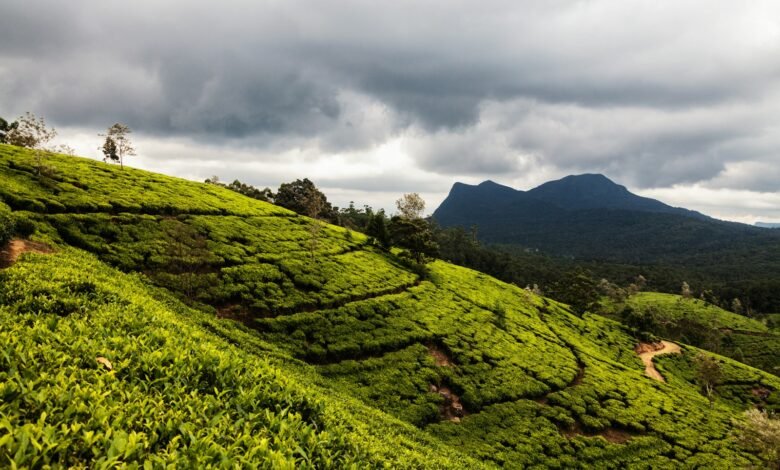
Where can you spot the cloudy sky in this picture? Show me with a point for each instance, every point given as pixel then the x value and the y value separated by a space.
pixel 676 100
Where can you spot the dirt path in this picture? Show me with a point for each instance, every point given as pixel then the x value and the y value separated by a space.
pixel 11 252
pixel 647 351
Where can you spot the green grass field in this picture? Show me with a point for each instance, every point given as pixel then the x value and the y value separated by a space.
pixel 236 339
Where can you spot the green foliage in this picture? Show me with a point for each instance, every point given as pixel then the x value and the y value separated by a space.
pixel 7 225
pixel 414 235
pixel 174 393
pixel 303 197
pixel 246 189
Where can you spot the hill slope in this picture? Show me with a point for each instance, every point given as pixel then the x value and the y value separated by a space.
pixel 441 371
pixel 701 324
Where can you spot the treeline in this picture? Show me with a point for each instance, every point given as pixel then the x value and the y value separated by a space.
pixel 407 229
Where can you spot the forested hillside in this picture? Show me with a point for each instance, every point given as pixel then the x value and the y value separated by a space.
pixel 150 319
pixel 597 224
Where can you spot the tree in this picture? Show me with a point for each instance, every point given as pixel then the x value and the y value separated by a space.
pixel 29 131
pixel 110 150
pixel 118 134
pixel 736 307
pixel 377 229
pixel 708 375
pixel 685 290
pixel 760 433
pixel 577 289
pixel 415 235
pixel 301 196
pixel 410 206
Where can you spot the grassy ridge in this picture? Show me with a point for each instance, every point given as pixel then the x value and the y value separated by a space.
pixel 539 386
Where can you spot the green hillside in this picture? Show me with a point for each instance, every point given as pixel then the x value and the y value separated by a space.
pixel 696 322
pixel 167 321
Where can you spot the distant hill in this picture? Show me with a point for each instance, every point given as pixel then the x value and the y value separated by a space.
pixel 591 217
pixel 768 224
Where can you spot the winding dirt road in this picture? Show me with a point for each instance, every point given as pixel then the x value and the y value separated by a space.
pixel 647 351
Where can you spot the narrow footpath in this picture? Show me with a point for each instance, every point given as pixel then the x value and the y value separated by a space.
pixel 647 351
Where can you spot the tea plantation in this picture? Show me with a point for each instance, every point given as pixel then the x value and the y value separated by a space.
pixel 696 322
pixel 175 323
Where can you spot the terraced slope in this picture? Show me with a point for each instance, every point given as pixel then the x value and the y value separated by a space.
pixel 342 354
pixel 698 323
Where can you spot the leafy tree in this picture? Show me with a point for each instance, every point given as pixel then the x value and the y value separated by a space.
pixel 612 291
pixel 577 289
pixel 410 206
pixel 708 375
pixel 118 134
pixel 760 432
pixel 415 235
pixel 246 189
pixel 736 307
pixel 302 196
pixel 110 150
pixel 377 229
pixel 357 219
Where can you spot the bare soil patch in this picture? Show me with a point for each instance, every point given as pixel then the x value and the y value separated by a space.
pixel 440 357
pixel 647 351
pixel 14 249
pixel 452 408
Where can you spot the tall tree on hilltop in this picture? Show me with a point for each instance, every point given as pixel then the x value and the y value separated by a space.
pixel 117 137
pixel 301 196
pixel 377 228
pixel 110 150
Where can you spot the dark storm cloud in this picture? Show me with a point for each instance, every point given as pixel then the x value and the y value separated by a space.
pixel 653 94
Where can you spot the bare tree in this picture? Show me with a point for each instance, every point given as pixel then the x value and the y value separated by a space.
pixel 685 290
pixel 117 145
pixel 410 206
pixel 30 131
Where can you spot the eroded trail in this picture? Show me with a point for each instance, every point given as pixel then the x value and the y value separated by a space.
pixel 647 351
pixel 11 252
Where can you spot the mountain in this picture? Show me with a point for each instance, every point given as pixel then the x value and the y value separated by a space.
pixel 590 217
pixel 768 224
pixel 146 319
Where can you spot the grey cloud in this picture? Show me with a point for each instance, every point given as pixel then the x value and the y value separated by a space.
pixel 651 95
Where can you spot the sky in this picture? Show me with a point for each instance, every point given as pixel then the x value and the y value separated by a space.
pixel 678 101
